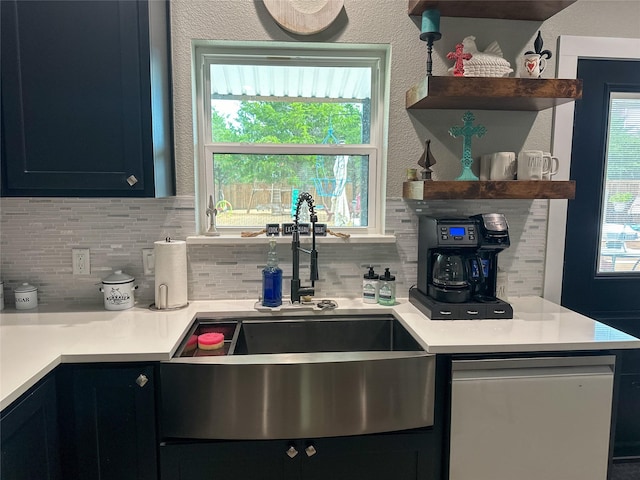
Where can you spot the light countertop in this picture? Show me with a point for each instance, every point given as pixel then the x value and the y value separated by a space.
pixel 34 342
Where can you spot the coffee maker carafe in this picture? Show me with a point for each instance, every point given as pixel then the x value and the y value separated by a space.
pixel 454 276
pixel 458 267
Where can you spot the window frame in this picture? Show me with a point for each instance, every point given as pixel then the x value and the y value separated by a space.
pixel 374 56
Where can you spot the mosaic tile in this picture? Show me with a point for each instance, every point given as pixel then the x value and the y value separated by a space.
pixel 39 250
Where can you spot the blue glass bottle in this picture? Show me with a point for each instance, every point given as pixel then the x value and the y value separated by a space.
pixel 272 279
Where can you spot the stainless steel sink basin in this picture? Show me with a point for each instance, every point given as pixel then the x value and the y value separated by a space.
pixel 298 377
pixel 337 334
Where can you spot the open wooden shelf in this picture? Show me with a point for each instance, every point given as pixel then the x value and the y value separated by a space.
pixel 492 93
pixel 513 189
pixel 538 10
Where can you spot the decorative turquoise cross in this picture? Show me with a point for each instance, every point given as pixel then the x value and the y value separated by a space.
pixel 467 131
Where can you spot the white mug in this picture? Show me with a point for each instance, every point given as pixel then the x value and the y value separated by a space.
pixel 503 166
pixel 533 65
pixel 535 164
pixel 550 166
pixel 485 166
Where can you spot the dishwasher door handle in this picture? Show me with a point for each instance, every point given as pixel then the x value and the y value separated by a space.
pixel 533 362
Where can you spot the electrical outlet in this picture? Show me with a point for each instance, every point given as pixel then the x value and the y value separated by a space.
pixel 148 261
pixel 80 258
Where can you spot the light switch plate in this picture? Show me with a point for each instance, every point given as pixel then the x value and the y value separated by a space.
pixel 148 261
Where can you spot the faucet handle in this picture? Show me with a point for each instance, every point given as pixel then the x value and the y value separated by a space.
pixel 306 291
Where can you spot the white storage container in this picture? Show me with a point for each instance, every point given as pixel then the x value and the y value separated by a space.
pixel 26 297
pixel 118 291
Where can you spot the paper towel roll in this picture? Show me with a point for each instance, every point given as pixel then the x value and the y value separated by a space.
pixel 171 273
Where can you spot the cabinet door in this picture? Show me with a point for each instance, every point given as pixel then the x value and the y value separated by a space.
pixel 398 456
pixel 29 437
pixel 627 425
pixel 76 98
pixel 627 439
pixel 246 460
pixel 114 423
pixel 404 456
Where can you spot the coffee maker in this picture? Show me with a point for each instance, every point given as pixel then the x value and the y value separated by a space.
pixel 458 267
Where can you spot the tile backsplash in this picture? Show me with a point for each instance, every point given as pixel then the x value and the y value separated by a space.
pixel 38 234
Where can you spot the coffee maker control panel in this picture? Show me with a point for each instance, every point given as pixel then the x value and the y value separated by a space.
pixel 457 234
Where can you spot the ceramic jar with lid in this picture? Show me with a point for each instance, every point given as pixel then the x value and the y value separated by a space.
pixel 118 291
pixel 26 296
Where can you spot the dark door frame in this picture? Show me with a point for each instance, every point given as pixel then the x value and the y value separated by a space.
pixel 570 49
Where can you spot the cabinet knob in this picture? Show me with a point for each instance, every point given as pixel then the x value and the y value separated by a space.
pixel 311 451
pixel 132 180
pixel 292 452
pixel 142 380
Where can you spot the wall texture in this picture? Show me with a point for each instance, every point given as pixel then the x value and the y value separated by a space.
pixel 386 21
pixel 37 235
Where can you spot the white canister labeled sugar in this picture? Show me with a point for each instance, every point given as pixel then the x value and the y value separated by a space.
pixel 26 297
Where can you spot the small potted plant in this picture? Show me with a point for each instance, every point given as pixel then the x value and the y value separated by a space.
pixel 620 200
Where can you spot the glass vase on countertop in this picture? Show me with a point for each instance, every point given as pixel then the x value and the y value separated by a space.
pixel 272 279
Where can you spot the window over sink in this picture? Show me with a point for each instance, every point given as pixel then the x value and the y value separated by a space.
pixel 278 119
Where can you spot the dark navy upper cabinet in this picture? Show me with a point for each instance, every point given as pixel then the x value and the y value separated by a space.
pixel 86 99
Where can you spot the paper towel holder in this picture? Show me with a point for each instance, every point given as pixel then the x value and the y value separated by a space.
pixel 158 309
pixel 164 297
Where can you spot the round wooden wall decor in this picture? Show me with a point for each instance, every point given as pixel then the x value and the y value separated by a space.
pixel 304 17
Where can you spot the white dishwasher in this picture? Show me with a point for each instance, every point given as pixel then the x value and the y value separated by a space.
pixel 531 418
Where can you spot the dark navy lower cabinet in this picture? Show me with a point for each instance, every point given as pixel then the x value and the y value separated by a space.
pixel 627 433
pixel 399 456
pixel 109 432
pixel 246 460
pixel 29 436
pixel 86 108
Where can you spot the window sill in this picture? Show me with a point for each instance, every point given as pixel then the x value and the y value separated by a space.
pixel 329 239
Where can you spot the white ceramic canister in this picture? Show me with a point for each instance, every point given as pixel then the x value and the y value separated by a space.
pixel 118 291
pixel 26 297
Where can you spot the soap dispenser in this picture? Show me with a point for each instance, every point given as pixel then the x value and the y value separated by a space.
pixel 387 294
pixel 370 287
pixel 272 279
